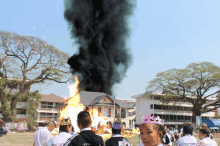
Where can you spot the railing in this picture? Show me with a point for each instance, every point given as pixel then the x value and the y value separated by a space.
pixel 48 109
pixel 178 121
pixel 46 119
pixel 172 111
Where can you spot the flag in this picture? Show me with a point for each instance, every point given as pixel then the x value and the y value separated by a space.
pixel 114 99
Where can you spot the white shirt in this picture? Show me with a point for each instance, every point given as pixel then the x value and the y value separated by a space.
pixel 187 140
pixel 169 137
pixel 42 136
pixel 207 141
pixel 171 133
pixel 88 128
pixel 59 139
pixel 117 135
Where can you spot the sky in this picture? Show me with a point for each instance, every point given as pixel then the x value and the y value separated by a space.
pixel 165 34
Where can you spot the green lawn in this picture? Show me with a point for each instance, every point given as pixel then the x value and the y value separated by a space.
pixel 26 139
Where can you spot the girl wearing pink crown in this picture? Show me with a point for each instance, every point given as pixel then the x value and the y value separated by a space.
pixel 152 132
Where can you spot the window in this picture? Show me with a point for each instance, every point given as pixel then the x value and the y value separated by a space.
pixel 109 112
pixel 123 113
pixel 104 100
pixel 12 85
pixel 151 106
pixel 21 111
pixel 157 106
pixel 99 112
pixel 47 105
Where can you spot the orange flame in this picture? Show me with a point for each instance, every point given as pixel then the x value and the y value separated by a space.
pixel 73 104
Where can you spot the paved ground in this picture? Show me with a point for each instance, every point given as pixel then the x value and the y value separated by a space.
pixel 26 139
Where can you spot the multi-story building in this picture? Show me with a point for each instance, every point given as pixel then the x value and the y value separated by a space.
pixel 104 104
pixel 21 106
pixel 46 110
pixel 173 114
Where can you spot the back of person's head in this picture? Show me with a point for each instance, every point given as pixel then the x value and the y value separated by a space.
pixel 116 128
pixel 65 125
pixel 84 119
pixel 187 129
pixel 205 131
pixel 51 125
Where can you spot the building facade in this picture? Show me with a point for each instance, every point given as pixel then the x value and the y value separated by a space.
pixel 172 114
pixel 46 110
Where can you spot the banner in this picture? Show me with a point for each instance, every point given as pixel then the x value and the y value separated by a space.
pixel 198 120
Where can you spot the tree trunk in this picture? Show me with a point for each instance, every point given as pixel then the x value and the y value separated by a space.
pixel 13 108
pixel 196 112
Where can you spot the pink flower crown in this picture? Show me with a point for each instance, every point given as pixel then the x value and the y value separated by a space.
pixel 151 119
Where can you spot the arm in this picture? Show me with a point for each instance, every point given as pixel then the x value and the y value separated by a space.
pixel 34 143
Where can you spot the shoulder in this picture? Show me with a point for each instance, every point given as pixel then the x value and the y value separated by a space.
pixel 71 139
pixel 201 143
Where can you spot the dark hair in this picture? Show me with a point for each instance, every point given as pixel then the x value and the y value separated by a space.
pixel 73 129
pixel 160 128
pixel 187 129
pixel 205 131
pixel 63 128
pixel 176 137
pixel 116 131
pixel 84 119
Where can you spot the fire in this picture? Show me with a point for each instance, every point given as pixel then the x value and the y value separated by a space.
pixel 74 106
pixel 99 124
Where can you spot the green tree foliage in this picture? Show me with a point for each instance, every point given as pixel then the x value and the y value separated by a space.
pixel 28 61
pixel 191 84
pixel 33 99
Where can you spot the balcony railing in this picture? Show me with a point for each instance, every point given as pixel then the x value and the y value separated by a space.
pixel 46 119
pixel 178 121
pixel 172 111
pixel 48 109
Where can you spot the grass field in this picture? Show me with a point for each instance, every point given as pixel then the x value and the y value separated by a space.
pixel 26 139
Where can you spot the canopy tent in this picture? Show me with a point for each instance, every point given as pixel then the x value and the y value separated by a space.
pixel 212 122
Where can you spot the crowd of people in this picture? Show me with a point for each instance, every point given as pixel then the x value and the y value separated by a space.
pixel 152 133
pixel 67 136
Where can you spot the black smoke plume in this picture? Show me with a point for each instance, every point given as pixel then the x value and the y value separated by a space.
pixel 101 30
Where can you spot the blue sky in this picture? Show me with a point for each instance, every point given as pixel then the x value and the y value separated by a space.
pixel 165 34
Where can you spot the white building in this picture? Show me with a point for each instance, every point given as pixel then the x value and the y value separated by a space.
pixel 172 114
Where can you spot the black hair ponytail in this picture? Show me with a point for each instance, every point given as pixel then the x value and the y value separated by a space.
pixel 165 139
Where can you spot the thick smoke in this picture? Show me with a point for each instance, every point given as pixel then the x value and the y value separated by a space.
pixel 100 28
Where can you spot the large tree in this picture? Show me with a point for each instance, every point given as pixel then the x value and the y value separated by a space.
pixel 28 60
pixel 195 83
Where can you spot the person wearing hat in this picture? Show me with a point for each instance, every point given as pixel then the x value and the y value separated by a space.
pixel 65 130
pixel 117 139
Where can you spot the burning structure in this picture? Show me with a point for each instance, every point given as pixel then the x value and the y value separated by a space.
pixel 99 105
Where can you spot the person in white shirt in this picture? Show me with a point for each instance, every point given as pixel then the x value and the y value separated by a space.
pixel 205 140
pixel 44 134
pixel 169 138
pixel 188 138
pixel 64 133
pixel 171 133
